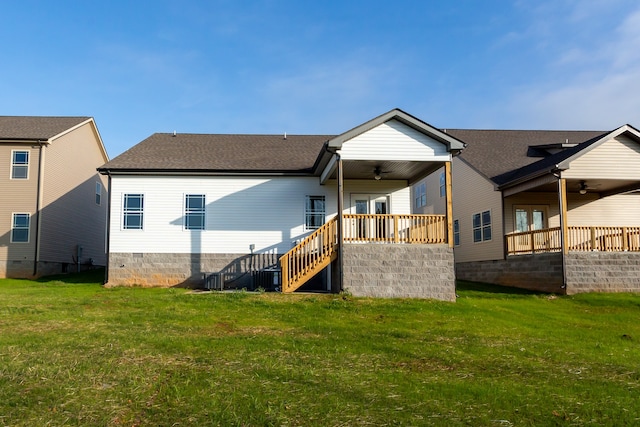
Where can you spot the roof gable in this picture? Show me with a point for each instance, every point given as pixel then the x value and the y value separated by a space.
pixel 393 141
pixel 452 143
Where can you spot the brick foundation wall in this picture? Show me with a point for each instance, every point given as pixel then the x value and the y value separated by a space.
pixel 167 270
pixel 539 272
pixel 603 272
pixel 407 271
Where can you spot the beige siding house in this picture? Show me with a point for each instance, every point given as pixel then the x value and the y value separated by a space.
pixel 53 203
pixel 555 211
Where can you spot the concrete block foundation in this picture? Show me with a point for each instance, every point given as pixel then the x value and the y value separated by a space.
pixel 399 271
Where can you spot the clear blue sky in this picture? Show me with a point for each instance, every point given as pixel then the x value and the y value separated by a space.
pixel 320 67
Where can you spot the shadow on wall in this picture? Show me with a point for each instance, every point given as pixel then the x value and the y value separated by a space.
pixel 71 222
pixel 236 216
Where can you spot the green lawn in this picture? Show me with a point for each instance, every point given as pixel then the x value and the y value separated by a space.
pixel 74 353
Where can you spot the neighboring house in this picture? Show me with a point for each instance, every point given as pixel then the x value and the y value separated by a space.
pixel 556 211
pixel 331 212
pixel 53 204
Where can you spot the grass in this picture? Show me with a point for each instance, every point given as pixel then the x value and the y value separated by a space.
pixel 75 353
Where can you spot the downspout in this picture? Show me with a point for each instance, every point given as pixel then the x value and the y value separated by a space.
pixel 108 231
pixel 38 207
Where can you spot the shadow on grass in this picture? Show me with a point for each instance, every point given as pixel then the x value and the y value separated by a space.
pixel 90 276
pixel 462 285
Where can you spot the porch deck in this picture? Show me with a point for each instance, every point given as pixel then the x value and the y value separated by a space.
pixel 579 239
pixel 318 249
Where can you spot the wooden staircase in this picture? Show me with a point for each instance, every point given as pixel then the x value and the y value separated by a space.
pixel 310 256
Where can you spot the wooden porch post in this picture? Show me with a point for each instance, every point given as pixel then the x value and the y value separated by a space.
pixel 564 228
pixel 447 183
pixel 562 201
pixel 339 230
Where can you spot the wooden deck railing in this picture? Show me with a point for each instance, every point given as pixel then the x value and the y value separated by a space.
pixel 395 228
pixel 528 242
pixel 579 239
pixel 309 256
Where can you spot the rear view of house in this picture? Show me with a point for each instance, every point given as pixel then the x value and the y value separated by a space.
pixel 53 204
pixel 321 211
pixel 556 211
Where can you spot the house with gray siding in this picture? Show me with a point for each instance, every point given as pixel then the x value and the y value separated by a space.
pixel 323 212
pixel 556 211
pixel 53 203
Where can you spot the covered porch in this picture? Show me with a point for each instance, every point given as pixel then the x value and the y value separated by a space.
pixel 372 168
pixel 581 225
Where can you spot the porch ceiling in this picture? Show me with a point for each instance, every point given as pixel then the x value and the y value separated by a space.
pixel 603 187
pixel 390 170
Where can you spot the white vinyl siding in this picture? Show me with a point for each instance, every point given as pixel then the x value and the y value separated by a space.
pixel 266 212
pixel 391 141
pixel 239 211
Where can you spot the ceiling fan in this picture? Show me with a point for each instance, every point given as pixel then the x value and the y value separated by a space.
pixel 583 187
pixel 377 173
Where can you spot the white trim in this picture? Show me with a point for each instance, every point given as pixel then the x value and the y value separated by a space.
pixel 184 212
pixel 324 213
pixel 11 164
pixel 123 212
pixel 13 214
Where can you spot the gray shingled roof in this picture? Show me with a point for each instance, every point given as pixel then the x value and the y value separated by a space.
pixel 221 153
pixel 35 128
pixel 501 155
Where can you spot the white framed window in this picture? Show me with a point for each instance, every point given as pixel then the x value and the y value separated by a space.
pixel 194 207
pixel 443 185
pixel 456 232
pixel 19 164
pixel 481 226
pixel 133 211
pixel 420 195
pixel 314 212
pixel 98 193
pixel 20 228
